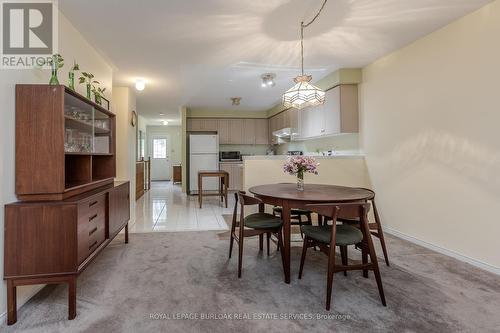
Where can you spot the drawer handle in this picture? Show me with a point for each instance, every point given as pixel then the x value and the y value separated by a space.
pixel 92 231
pixel 93 217
pixel 93 203
pixel 93 244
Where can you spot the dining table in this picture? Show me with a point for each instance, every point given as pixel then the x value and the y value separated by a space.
pixel 288 196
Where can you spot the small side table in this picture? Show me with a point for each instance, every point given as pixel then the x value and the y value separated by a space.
pixel 223 177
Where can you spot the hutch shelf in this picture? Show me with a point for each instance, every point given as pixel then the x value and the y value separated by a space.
pixel 65 144
pixel 70 206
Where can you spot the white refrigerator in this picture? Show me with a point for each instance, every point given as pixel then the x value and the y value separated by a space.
pixel 203 155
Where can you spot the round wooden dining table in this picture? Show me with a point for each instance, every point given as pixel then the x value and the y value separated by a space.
pixel 288 197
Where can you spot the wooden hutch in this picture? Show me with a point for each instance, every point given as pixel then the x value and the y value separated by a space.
pixel 70 207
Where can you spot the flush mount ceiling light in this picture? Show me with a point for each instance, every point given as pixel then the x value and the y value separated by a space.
pixel 140 84
pixel 236 100
pixel 304 94
pixel 165 123
pixel 268 80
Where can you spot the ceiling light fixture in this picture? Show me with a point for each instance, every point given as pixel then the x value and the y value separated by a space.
pixel 236 100
pixel 304 94
pixel 165 123
pixel 268 80
pixel 140 84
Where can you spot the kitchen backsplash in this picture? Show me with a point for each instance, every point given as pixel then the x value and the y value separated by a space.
pixel 342 142
pixel 245 149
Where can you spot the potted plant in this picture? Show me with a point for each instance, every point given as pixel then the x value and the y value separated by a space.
pixel 98 94
pixel 55 62
pixel 88 79
pixel 75 67
pixel 298 165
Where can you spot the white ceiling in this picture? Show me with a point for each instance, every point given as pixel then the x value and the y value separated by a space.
pixel 199 53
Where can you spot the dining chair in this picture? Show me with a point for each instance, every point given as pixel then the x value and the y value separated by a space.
pixel 375 227
pixel 257 224
pixel 328 237
pixel 296 215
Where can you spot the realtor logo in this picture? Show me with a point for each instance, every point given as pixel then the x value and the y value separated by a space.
pixel 29 33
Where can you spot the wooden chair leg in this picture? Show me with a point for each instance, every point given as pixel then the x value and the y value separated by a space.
pixel 11 303
pixel 376 271
pixel 72 298
pixel 329 283
pixel 364 259
pixel 261 242
pixel 280 246
pixel 240 255
pixel 300 226
pixel 303 257
pixel 343 255
pixel 268 241
pixel 231 245
pixel 126 233
pixel 380 232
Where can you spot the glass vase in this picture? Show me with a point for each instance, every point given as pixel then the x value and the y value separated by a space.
pixel 53 78
pixel 71 82
pixel 300 181
pixel 89 90
pixel 97 99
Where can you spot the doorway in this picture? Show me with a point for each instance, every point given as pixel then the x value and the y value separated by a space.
pixel 160 161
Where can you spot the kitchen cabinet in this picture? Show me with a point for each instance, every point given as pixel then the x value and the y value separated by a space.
pixel 223 131
pixel 261 131
pixel 235 171
pixel 236 131
pixel 202 125
pixel 233 131
pixel 248 131
pixel 286 119
pixel 338 115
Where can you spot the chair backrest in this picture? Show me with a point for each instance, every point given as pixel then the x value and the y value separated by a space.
pixel 242 199
pixel 351 210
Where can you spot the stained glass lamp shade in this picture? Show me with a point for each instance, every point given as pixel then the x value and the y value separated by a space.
pixel 303 94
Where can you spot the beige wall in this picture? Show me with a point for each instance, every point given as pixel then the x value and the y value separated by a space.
pixel 71 46
pixel 430 123
pixel 346 171
pixel 124 102
pixel 340 142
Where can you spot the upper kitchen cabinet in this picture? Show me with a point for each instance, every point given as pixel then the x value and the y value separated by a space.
pixel 288 119
pixel 338 115
pixel 201 125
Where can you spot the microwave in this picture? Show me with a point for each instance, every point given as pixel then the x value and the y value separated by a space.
pixel 230 156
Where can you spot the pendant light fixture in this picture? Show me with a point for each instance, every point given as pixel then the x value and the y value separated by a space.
pixel 303 93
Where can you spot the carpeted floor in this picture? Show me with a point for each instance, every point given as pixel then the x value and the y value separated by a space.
pixel 149 284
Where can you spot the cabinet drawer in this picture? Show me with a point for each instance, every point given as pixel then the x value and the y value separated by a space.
pixel 91 225
pixel 96 234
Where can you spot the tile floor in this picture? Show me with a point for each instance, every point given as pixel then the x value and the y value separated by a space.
pixel 165 208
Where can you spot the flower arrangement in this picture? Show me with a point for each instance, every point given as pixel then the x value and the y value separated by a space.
pixel 298 165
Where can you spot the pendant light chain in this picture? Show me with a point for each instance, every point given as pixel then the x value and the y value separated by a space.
pixel 302 26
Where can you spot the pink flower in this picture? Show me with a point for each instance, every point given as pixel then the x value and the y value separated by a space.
pixel 296 165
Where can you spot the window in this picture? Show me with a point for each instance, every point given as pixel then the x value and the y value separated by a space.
pixel 159 148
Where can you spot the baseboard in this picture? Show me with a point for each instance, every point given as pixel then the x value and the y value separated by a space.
pixel 445 251
pixel 25 299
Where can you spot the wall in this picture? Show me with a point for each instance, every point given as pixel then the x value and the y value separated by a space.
pixel 174 141
pixel 71 46
pixel 246 149
pixel 430 118
pixel 346 171
pixel 342 142
pixel 124 102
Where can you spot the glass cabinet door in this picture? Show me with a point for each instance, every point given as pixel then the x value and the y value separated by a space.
pixel 102 133
pixel 78 126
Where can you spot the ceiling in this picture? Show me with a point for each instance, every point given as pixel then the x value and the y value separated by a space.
pixel 201 53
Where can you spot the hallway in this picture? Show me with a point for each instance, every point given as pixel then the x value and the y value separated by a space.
pixel 164 208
